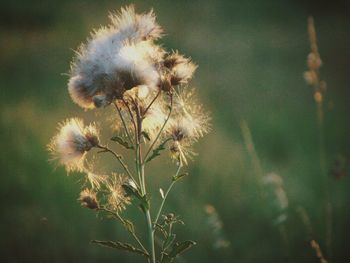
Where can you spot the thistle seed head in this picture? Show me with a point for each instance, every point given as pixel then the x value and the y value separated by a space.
pixel 117 199
pixel 88 199
pixel 72 142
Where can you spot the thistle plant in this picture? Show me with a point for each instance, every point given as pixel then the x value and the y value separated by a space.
pixel 122 67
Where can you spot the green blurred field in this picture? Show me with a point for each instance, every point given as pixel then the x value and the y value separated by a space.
pixel 251 57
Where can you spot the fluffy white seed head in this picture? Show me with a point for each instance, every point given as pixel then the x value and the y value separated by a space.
pixel 115 59
pixel 181 68
pixel 136 26
pixel 117 199
pixel 72 142
pixel 189 123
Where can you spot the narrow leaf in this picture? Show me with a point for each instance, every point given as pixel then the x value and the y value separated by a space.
pixel 131 191
pixel 120 246
pixel 146 135
pixel 161 193
pixel 129 226
pixel 180 247
pixel 122 142
pixel 169 241
pixel 156 152
pixel 166 258
pixel 162 230
pixel 179 177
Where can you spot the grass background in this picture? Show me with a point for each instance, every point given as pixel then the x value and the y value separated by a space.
pixel 251 57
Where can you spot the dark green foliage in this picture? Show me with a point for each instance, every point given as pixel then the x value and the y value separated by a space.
pixel 122 142
pixel 121 246
pixel 156 152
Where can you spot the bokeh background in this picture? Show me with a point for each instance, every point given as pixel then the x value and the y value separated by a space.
pixel 251 56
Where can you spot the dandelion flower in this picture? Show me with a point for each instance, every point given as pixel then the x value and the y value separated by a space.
pixel 117 199
pixel 88 199
pixel 72 142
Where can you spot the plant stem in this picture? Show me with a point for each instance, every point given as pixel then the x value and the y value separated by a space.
pixel 149 105
pixel 117 216
pixel 166 194
pixel 327 201
pixel 120 159
pixel 141 172
pixel 161 130
pixel 124 124
pixel 150 236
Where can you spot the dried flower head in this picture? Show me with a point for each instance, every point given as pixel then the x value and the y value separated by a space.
pixel 115 59
pixel 72 142
pixel 182 137
pixel 181 69
pixel 190 111
pixel 88 199
pixel 136 26
pixel 314 61
pixel 117 199
pixel 95 180
pixel 310 77
pixel 188 124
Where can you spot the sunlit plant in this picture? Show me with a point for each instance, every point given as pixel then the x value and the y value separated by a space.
pixel 121 66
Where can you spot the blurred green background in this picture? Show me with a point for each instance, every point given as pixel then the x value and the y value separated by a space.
pixel 251 57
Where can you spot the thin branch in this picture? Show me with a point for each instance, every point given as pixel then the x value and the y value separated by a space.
pixel 149 106
pixel 117 216
pixel 124 124
pixel 131 115
pixel 120 159
pixel 166 195
pixel 161 130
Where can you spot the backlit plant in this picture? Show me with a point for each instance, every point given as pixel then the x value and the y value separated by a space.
pixel 121 66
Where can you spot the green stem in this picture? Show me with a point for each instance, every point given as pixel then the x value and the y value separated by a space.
pixel 120 159
pixel 150 236
pixel 141 173
pixel 117 216
pixel 166 195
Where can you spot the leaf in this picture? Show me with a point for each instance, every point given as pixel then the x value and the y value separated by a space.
pixel 131 191
pixel 169 241
pixel 122 142
pixel 161 193
pixel 179 177
pixel 146 135
pixel 166 258
pixel 177 249
pixel 120 246
pixel 156 152
pixel 180 247
pixel 161 229
pixel 129 226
